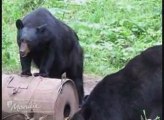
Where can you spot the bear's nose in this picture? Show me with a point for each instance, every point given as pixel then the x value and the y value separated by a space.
pixel 22 54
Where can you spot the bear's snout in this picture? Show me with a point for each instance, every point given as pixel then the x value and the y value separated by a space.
pixel 24 49
pixel 22 54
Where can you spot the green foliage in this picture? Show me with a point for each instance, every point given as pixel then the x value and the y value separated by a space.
pixel 110 31
pixel 145 117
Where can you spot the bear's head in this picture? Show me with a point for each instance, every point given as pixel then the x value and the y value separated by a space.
pixel 29 38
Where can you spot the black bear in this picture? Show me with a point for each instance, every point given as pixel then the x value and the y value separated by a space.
pixel 52 46
pixel 125 94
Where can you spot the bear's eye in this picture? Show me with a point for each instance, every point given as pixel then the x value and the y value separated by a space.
pixel 25 40
pixel 22 40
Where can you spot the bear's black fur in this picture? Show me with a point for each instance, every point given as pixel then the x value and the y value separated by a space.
pixel 125 94
pixel 52 45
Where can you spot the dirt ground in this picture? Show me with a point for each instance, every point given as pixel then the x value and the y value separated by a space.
pixel 89 82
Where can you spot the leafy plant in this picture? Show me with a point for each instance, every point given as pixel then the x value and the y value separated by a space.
pixel 145 118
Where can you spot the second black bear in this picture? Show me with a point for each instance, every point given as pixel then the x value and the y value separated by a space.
pixel 53 47
pixel 125 94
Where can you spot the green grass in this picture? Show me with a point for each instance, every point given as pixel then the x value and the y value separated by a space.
pixel 110 31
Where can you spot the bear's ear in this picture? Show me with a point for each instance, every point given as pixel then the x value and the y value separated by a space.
pixel 41 28
pixel 19 24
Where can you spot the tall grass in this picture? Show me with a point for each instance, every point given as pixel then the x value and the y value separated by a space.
pixel 110 31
